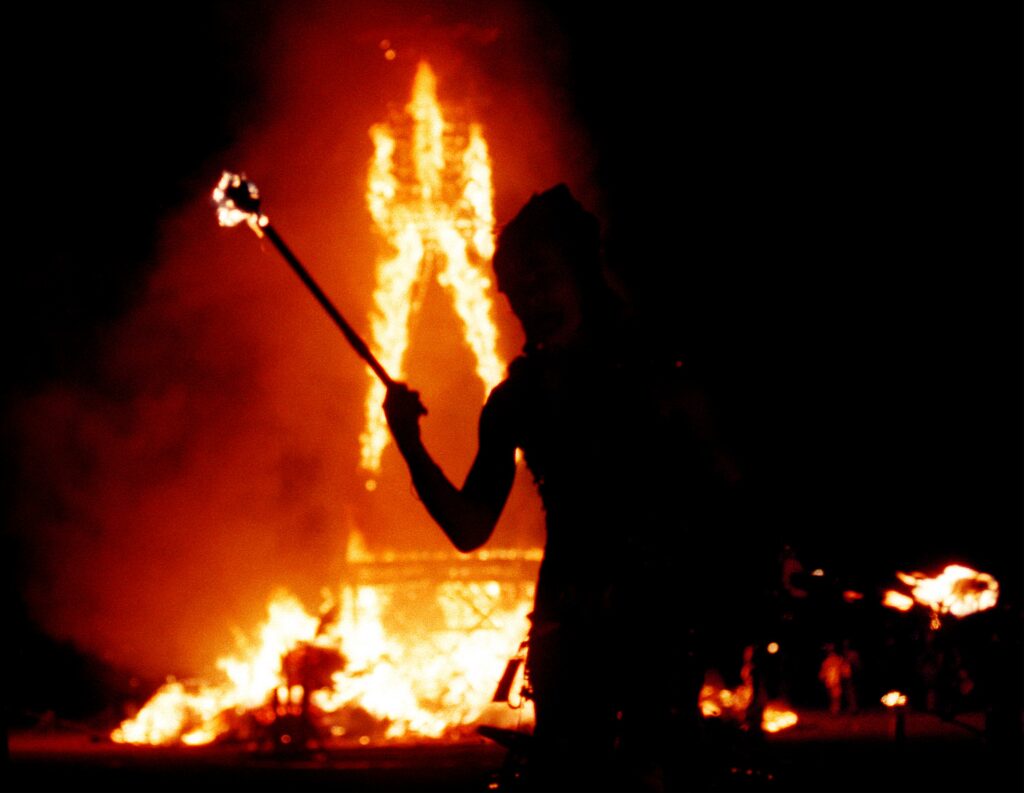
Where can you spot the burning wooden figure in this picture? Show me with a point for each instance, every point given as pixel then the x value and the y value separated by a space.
pixel 429 193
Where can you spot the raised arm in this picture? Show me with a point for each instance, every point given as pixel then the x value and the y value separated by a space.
pixel 467 515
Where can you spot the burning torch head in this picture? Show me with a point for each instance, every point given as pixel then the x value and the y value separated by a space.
pixel 237 200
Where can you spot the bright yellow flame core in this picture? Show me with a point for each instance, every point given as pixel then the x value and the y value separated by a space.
pixel 957 590
pixel 430 194
pixel 894 699
pixel 436 673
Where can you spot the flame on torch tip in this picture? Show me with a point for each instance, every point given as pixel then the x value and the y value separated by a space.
pixel 229 213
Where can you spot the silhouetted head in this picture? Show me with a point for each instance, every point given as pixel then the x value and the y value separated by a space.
pixel 548 264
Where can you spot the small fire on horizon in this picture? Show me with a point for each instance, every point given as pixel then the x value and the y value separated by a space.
pixel 957 590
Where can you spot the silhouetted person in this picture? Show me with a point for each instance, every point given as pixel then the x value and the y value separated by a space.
pixel 830 673
pixel 636 489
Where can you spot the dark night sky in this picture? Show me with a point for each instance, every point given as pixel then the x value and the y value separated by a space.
pixel 822 203
pixel 846 190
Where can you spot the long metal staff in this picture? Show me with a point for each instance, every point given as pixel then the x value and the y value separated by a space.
pixel 238 200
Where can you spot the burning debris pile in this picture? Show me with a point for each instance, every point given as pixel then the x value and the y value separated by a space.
pixel 397 655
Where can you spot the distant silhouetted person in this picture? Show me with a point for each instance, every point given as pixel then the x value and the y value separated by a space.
pixel 831 675
pixel 641 543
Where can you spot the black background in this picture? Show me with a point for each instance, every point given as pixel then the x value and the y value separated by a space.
pixel 844 211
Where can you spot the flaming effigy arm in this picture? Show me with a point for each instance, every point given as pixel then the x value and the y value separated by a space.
pixel 238 200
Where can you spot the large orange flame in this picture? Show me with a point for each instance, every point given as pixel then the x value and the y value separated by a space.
pixel 418 665
pixel 430 195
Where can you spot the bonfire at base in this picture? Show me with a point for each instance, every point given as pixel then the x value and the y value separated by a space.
pixel 394 657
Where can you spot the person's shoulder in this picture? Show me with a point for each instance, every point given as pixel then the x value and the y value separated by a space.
pixel 503 410
pixel 509 390
pixel 519 368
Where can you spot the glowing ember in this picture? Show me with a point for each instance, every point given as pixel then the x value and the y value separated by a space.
pixel 432 670
pixel 430 196
pixel 957 590
pixel 894 699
